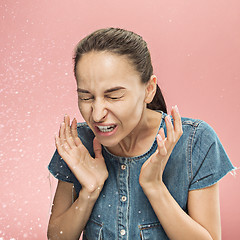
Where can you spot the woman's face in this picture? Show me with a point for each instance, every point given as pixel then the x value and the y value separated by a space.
pixel 110 96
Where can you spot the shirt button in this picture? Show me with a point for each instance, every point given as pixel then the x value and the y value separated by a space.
pixel 123 167
pixel 124 198
pixel 123 232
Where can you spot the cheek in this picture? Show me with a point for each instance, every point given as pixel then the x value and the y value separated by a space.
pixel 84 109
pixel 130 110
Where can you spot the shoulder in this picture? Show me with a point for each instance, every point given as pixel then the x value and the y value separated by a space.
pixel 194 129
pixel 198 136
pixel 198 129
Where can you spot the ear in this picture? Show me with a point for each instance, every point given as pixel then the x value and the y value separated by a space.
pixel 150 90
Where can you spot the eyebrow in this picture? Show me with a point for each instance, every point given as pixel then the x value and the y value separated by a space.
pixel 106 91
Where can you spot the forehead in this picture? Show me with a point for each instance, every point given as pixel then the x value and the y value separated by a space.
pixel 101 70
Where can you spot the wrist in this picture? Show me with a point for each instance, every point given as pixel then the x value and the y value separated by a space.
pixel 87 195
pixel 153 188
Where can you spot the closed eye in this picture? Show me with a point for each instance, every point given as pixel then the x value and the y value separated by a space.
pixel 85 98
pixel 115 98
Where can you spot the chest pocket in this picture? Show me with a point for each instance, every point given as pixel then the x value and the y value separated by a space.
pixel 93 230
pixel 153 231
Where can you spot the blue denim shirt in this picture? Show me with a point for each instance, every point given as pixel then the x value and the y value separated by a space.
pixel 122 210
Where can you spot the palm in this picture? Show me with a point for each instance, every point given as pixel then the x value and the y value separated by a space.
pixel 90 172
pixel 151 170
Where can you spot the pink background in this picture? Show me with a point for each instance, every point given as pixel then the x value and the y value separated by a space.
pixel 195 51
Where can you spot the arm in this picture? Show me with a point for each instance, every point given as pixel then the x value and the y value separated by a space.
pixel 203 221
pixel 68 220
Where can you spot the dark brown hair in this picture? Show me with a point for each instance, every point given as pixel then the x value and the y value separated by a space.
pixel 123 42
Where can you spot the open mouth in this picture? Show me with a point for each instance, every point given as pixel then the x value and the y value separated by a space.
pixel 109 128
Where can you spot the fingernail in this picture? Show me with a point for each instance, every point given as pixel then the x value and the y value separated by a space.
pixel 169 118
pixel 159 137
pixel 176 107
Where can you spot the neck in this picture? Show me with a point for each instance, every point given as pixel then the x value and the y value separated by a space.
pixel 141 138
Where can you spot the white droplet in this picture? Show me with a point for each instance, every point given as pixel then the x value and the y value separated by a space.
pixel 139 211
pixel 99 216
pixel 61 232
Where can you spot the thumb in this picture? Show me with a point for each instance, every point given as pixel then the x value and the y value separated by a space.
pixel 97 147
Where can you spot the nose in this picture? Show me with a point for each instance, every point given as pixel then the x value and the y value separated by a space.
pixel 99 110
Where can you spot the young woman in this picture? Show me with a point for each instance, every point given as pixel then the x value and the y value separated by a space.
pixel 134 171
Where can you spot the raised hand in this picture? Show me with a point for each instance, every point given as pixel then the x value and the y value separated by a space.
pixel 90 172
pixel 152 170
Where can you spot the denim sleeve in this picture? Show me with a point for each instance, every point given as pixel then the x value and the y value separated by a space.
pixel 209 161
pixel 59 169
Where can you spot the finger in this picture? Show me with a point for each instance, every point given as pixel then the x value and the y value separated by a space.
pixel 69 137
pixel 64 154
pixel 97 147
pixel 59 147
pixel 161 146
pixel 75 133
pixel 74 128
pixel 170 131
pixel 161 133
pixel 177 122
pixel 62 137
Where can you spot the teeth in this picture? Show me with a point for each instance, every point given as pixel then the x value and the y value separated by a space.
pixel 106 128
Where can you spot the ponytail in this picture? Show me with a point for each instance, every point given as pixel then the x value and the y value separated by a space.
pixel 158 102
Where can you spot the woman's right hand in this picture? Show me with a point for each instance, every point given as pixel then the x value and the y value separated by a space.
pixel 90 172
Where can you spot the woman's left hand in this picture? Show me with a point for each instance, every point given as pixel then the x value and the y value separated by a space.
pixel 152 170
